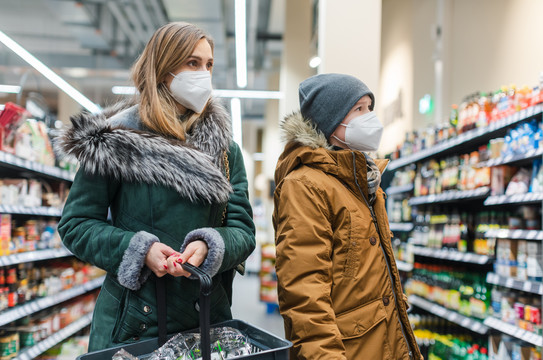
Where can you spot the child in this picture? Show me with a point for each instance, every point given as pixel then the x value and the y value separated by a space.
pixel 339 287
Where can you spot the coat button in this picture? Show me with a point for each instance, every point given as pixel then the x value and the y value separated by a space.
pixel 386 301
pixel 146 308
pixel 373 240
pixel 143 326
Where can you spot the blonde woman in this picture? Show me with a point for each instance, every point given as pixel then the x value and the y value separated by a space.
pixel 175 185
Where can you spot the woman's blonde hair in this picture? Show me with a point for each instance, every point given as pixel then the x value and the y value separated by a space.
pixel 165 52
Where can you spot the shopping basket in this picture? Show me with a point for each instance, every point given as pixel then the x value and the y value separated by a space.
pixel 264 345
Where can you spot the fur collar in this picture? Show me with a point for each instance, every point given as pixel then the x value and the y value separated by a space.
pixel 295 128
pixel 124 150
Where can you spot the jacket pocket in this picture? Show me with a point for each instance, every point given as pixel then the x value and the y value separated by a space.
pixel 357 322
pixel 134 320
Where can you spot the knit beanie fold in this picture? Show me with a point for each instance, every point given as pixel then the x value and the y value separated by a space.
pixel 326 99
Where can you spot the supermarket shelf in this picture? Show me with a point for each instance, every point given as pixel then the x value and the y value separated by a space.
pixel 393 190
pixel 452 255
pixel 533 287
pixel 515 234
pixel 401 226
pixel 451 195
pixel 30 256
pixel 37 210
pixel 34 306
pixel 452 316
pixel 531 154
pixel 465 138
pixel 514 331
pixel 56 338
pixel 514 199
pixel 404 266
pixel 12 161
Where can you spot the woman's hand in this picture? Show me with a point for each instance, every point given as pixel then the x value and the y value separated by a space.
pixel 157 258
pixel 195 253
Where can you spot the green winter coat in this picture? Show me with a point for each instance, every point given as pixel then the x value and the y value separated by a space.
pixel 155 190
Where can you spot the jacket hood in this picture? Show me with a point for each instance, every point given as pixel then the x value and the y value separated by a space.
pixel 306 145
pixel 123 149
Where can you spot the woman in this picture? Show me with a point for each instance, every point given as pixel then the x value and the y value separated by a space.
pixel 175 184
pixel 339 288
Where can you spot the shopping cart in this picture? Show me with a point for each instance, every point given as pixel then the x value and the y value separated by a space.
pixel 264 345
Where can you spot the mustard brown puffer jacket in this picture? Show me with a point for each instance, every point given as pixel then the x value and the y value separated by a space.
pixel 339 288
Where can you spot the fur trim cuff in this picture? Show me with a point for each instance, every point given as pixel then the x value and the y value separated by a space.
pixel 215 244
pixel 132 271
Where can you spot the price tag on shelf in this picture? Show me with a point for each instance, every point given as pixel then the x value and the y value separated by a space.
pixel 509 283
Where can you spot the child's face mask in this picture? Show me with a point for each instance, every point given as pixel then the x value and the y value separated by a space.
pixel 363 133
pixel 191 89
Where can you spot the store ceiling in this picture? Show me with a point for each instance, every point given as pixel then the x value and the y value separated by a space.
pixel 92 43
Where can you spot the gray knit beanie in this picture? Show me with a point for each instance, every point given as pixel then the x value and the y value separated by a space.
pixel 325 99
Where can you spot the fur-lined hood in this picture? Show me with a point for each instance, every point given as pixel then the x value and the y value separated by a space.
pixel 114 143
pixel 307 145
pixel 295 128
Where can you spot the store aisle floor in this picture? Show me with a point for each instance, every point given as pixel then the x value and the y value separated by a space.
pixel 248 307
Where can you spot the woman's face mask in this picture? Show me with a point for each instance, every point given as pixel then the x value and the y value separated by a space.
pixel 191 89
pixel 363 133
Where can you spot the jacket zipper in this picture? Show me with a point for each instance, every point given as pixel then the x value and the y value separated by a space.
pixel 374 220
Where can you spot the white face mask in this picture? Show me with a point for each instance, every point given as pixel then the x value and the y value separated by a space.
pixel 363 133
pixel 191 89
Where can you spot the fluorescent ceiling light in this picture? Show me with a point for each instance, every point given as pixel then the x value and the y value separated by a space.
pixel 241 42
pixel 123 90
pixel 242 94
pixel 235 105
pixel 315 61
pixel 49 74
pixel 10 89
pixel 248 94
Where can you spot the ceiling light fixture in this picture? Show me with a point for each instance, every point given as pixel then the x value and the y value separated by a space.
pixel 10 89
pixel 223 93
pixel 49 74
pixel 235 106
pixel 248 94
pixel 241 42
pixel 315 62
pixel 123 90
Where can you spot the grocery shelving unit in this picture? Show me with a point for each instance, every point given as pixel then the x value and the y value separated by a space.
pixel 56 338
pixel 514 331
pixel 533 287
pixel 15 166
pixel 468 138
pixel 401 227
pixel 31 256
pixel 34 306
pixel 480 197
pixel 453 316
pixel 451 255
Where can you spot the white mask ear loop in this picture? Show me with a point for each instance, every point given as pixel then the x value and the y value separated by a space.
pixel 338 139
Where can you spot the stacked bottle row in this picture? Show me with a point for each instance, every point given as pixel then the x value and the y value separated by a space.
pixel 476 110
pixel 517 308
pixel 29 331
pixel 438 227
pixel 18 235
pixel 440 339
pixel 454 288
pixel 25 282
